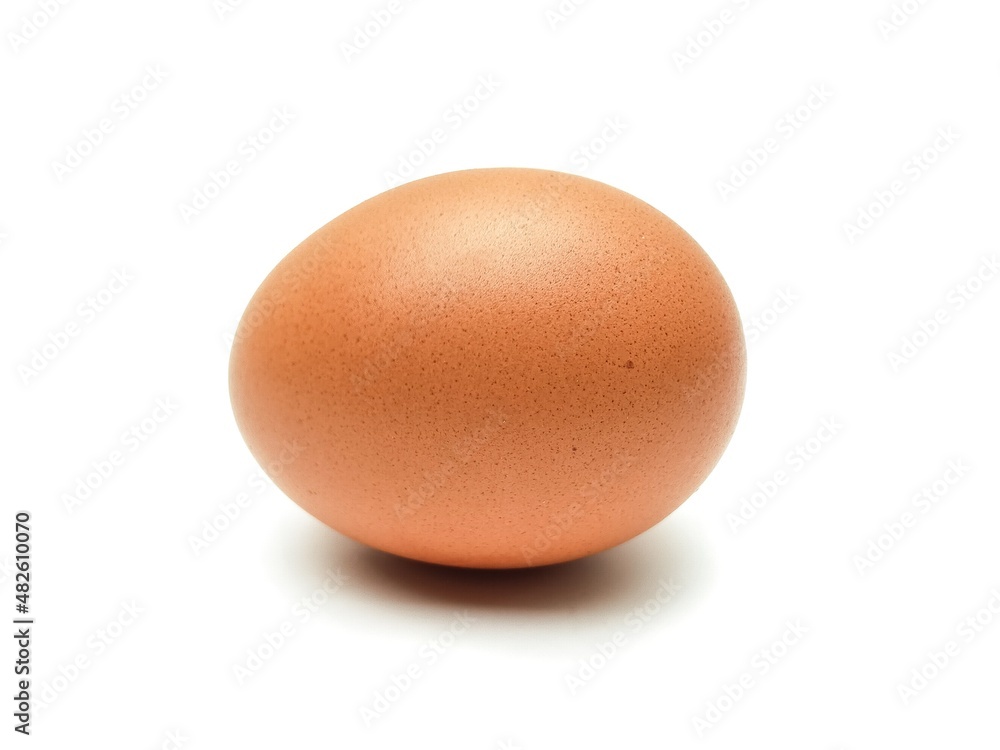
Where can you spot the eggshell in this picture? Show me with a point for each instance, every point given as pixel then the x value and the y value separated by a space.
pixel 491 368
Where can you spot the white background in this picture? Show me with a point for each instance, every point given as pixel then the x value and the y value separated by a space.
pixel 169 672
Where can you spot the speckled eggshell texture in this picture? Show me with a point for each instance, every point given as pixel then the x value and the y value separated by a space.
pixel 491 368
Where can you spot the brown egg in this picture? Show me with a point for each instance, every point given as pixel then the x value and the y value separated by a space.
pixel 492 368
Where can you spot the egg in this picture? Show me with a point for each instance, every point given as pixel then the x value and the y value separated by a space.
pixel 491 368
